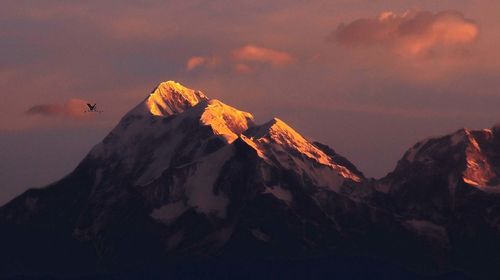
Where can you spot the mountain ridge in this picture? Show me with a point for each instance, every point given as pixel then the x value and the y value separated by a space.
pixel 182 175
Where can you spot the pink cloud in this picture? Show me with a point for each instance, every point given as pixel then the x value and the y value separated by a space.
pixel 199 61
pixel 252 53
pixel 411 33
pixel 74 108
pixel 242 68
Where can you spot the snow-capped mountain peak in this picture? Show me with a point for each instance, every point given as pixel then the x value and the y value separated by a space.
pixel 477 170
pixel 225 120
pixel 469 154
pixel 169 98
pixel 279 132
pixel 278 140
pixel 183 176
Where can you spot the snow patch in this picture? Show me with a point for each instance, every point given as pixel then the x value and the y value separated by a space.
pixel 472 140
pixel 170 212
pixel 201 181
pixel 280 194
pixel 321 175
pixel 484 188
pixel 478 171
pixel 160 160
pixel 253 145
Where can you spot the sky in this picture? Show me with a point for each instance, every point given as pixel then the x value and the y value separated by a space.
pixel 369 78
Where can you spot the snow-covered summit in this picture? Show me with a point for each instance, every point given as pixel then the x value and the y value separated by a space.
pixel 182 175
pixel 278 132
pixel 470 154
pixel 169 98
pixel 278 141
pixel 182 150
pixel 225 120
pixel 185 125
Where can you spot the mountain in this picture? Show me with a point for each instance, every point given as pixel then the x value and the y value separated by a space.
pixel 447 191
pixel 185 175
pixel 185 179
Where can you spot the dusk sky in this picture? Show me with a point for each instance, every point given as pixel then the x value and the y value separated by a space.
pixel 368 78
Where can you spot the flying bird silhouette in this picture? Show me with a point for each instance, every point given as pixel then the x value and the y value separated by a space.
pixel 91 107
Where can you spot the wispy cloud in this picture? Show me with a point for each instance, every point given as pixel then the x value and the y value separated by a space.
pixel 242 68
pixel 242 60
pixel 252 53
pixel 199 61
pixel 74 108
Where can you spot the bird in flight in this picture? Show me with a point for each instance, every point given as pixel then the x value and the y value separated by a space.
pixel 92 108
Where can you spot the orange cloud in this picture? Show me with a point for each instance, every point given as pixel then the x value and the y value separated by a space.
pixel 74 108
pixel 194 62
pixel 198 61
pixel 411 33
pixel 252 53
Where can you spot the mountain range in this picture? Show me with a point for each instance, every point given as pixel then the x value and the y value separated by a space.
pixel 185 179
